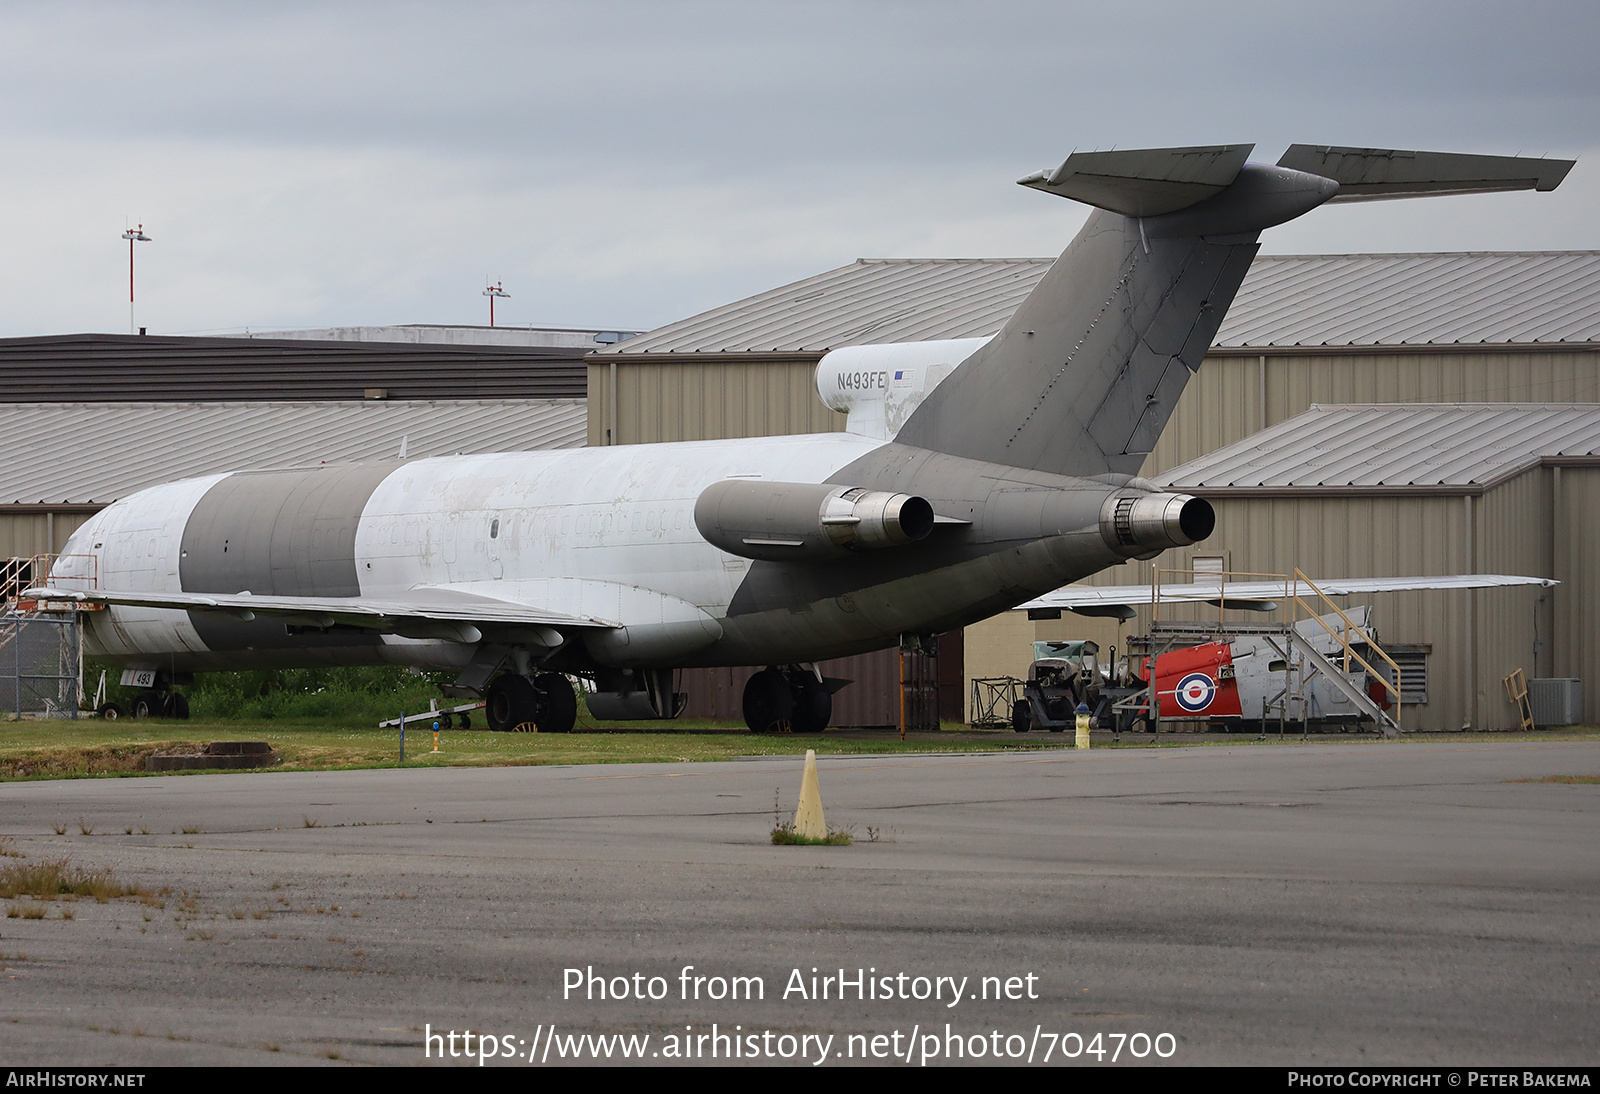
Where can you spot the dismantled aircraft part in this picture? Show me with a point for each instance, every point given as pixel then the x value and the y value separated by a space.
pixel 1144 525
pixel 1116 599
pixel 788 521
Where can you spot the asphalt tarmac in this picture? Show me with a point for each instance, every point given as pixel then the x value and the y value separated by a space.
pixel 1341 903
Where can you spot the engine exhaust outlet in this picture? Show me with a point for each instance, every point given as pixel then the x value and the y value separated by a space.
pixel 1144 525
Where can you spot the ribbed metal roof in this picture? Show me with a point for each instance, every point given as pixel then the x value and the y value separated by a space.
pixel 124 367
pixel 82 453
pixel 1286 300
pixel 1397 445
pixel 867 302
pixel 1417 299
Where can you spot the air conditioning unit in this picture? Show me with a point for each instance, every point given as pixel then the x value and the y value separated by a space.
pixel 1557 701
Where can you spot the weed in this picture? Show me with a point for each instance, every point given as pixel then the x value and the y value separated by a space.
pixel 54 879
pixel 193 830
pixel 271 1046
pixel 331 1054
pixel 206 936
pixel 276 885
pixel 128 831
pixel 873 834
pixel 60 827
pixel 261 913
pixel 85 828
pixel 784 835
pixel 238 913
pixel 308 821
pixel 143 831
pixel 66 913
pixel 147 916
pixel 8 848
pixel 25 909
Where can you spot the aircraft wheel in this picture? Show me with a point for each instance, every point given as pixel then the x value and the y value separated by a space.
pixel 1021 716
pixel 813 705
pixel 178 706
pixel 109 711
pixel 769 702
pixel 463 721
pixel 511 703
pixel 146 705
pixel 558 706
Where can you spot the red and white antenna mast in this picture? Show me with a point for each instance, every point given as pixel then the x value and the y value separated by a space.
pixel 491 292
pixel 133 235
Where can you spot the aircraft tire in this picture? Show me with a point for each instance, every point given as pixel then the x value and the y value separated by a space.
pixel 769 705
pixel 558 706
pixel 179 706
pixel 146 705
pixel 813 705
pixel 109 711
pixel 511 703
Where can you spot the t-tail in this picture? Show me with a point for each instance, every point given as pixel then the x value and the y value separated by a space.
pixel 1082 379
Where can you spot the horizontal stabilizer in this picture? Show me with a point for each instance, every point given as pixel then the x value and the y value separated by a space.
pixel 1377 174
pixel 1143 182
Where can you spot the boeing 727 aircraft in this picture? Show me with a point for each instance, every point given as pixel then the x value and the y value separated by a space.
pixel 985 473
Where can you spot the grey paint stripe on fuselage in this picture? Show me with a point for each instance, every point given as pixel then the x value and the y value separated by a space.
pixel 277 533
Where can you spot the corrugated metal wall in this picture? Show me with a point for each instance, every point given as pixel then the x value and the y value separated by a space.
pixel 1233 396
pixel 1575 632
pixel 28 533
pixel 702 400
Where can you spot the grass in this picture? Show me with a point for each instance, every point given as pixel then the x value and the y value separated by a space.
pixel 1574 780
pixel 784 835
pixel 91 747
pixel 56 879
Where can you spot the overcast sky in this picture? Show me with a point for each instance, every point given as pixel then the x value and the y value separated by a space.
pixel 627 164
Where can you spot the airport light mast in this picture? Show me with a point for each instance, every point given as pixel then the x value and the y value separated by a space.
pixel 491 292
pixel 133 235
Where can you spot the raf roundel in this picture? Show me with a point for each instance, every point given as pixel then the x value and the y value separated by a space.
pixel 1195 692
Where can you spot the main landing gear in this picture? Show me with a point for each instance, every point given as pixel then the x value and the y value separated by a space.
pixel 157 702
pixel 787 700
pixel 545 703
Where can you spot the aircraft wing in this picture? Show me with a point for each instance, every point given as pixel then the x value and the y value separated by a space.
pixel 445 608
pixel 1107 599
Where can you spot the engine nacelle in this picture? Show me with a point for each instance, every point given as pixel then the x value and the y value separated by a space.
pixel 1143 525
pixel 785 521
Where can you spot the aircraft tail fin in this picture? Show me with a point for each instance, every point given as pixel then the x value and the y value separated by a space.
pixel 1084 376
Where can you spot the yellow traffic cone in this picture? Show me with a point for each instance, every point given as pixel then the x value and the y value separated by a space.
pixel 808 820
